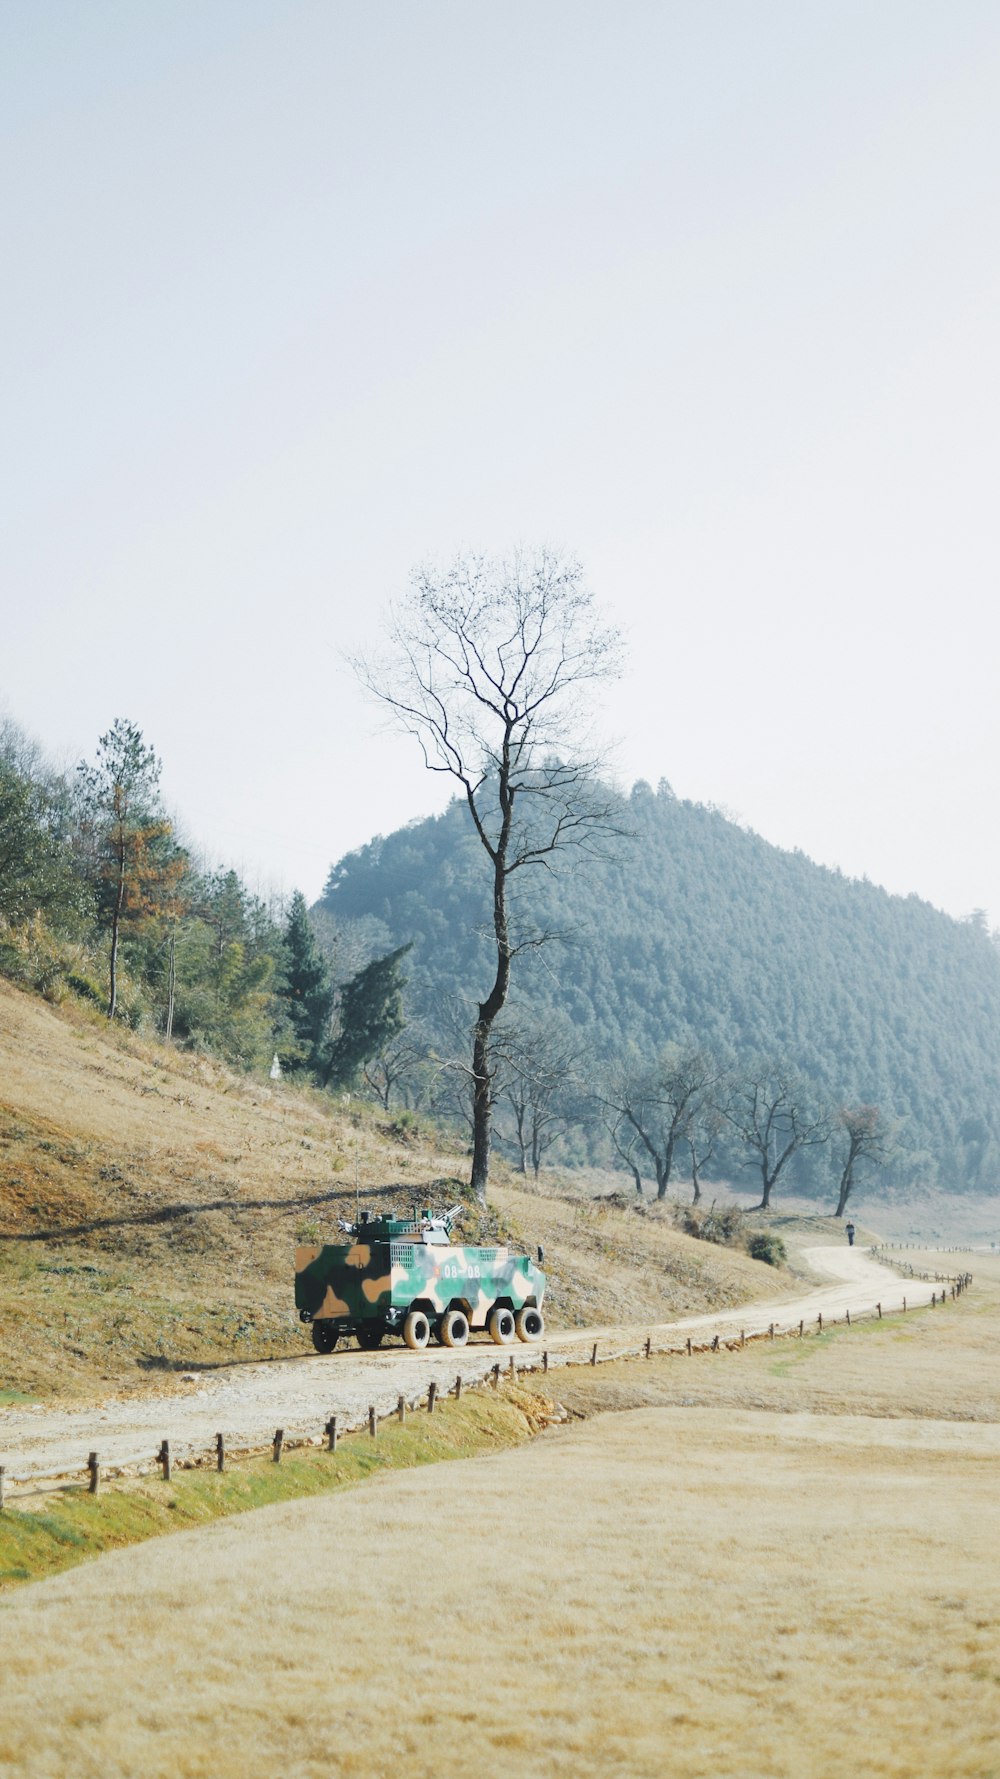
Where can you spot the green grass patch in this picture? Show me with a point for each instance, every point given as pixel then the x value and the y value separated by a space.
pixel 80 1525
pixel 888 1327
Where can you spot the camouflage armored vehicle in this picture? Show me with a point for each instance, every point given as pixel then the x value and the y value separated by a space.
pixel 403 1275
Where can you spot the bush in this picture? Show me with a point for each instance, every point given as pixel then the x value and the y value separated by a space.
pixel 721 1225
pixel 762 1245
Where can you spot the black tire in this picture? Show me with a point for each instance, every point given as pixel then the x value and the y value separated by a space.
pixel 416 1330
pixel 453 1328
pixel 370 1335
pixel 325 1335
pixel 530 1323
pixel 500 1327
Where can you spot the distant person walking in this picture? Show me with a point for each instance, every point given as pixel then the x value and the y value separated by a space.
pixel 849 1227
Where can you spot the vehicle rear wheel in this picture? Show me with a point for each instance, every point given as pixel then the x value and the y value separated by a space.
pixel 453 1328
pixel 416 1330
pixel 370 1335
pixel 530 1323
pixel 500 1327
pixel 325 1335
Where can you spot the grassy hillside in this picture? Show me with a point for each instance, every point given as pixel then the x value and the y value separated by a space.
pixel 150 1201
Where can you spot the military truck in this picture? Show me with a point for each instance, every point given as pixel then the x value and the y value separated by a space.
pixel 404 1275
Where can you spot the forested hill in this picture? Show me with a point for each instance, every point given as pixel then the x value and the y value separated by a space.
pixel 700 930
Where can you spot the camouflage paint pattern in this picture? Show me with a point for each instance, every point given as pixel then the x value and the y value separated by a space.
pixel 392 1264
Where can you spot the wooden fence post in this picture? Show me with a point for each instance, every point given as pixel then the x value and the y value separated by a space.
pixel 372 1422
pixel 162 1457
pixel 819 1319
pixel 743 1337
pixel 512 1368
pixel 94 1466
pixel 770 1332
pixel 689 1346
pixel 715 1344
pixel 545 1360
pixel 2 1474
pixel 432 1391
pixel 801 1329
pixel 278 1442
pixel 495 1374
pixel 458 1388
pixel 649 1343
pixel 220 1452
pixel 593 1354
pixel 904 1306
pixel 401 1409
pixel 331 1434
pixel 878 1306
pixel 848 1318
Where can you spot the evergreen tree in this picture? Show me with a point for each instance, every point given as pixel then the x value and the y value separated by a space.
pixel 126 834
pixel 305 992
pixel 371 1014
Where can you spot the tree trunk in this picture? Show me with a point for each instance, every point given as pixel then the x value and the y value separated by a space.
pixel 116 920
pixel 482 1079
pixel 663 1169
pixel 768 1180
pixel 481 1108
pixel 171 984
pixel 846 1182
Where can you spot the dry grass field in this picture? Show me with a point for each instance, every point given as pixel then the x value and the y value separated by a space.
pixel 150 1202
pixel 788 1573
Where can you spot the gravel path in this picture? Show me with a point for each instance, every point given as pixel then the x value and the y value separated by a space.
pixel 247 1402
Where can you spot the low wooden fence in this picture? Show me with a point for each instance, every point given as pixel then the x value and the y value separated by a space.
pixel 334 1426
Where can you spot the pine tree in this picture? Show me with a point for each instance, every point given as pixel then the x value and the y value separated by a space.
pixel 132 857
pixel 305 992
pixel 371 1014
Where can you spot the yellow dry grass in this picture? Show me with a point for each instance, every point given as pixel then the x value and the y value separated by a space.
pixel 714 1592
pixel 667 1592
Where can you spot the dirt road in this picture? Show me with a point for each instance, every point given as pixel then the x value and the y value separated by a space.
pixel 247 1402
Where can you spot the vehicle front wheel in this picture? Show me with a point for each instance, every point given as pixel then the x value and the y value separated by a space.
pixel 530 1323
pixel 325 1335
pixel 370 1335
pixel 453 1328
pixel 416 1330
pixel 500 1327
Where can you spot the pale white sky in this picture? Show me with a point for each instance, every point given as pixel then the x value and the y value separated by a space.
pixel 297 295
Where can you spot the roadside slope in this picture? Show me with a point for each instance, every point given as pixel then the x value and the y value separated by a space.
pixel 150 1201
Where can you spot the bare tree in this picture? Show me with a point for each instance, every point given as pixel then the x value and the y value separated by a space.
pixel 658 1105
pixel 541 1087
pixel 701 1134
pixel 869 1138
pixel 490 668
pixel 625 1141
pixel 772 1113
pixel 401 1068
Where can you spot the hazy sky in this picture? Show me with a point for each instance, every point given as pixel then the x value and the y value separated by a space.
pixel 295 296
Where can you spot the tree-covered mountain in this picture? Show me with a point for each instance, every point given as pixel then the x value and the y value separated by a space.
pixel 698 931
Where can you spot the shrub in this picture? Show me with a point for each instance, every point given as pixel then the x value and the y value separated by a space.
pixel 762 1245
pixel 721 1225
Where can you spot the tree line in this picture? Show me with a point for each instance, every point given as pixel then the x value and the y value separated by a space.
pixel 100 898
